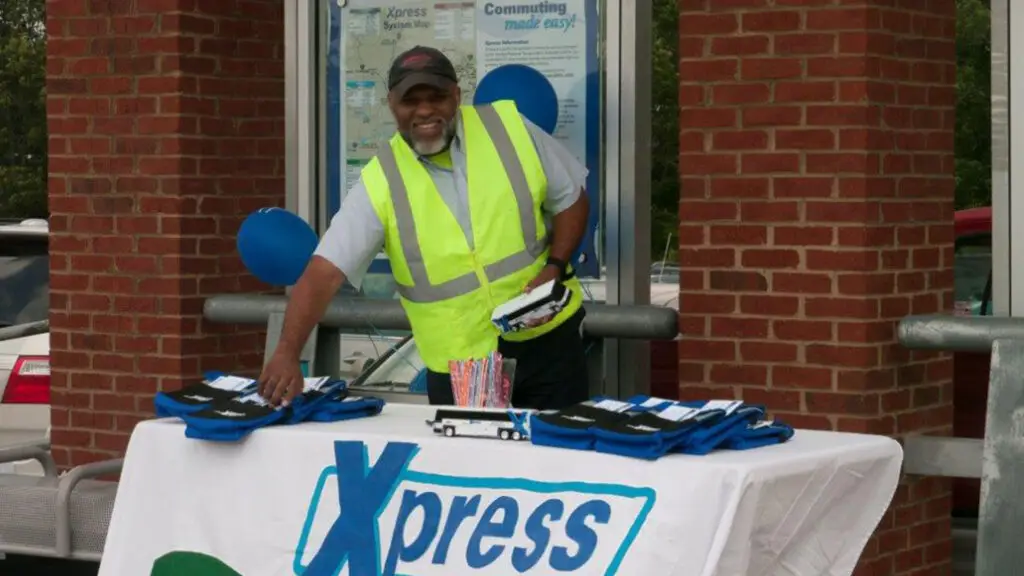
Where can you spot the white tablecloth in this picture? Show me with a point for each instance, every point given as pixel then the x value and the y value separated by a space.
pixel 266 506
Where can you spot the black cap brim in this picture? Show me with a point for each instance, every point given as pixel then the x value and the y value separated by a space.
pixel 420 79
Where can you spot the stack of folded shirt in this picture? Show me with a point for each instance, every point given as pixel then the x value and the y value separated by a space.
pixel 228 408
pixel 758 434
pixel 649 428
pixel 215 386
pixel 656 432
pixel 573 427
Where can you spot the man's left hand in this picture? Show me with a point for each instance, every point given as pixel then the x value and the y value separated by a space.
pixel 547 274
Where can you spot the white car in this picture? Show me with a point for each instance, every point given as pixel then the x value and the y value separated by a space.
pixel 24 338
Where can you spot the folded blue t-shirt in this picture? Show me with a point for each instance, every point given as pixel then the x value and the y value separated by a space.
pixel 758 434
pixel 246 412
pixel 216 386
pixel 345 407
pixel 572 427
pixel 654 433
pixel 705 439
pixel 316 392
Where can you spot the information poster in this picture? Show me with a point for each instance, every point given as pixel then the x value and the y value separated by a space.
pixel 557 39
pixel 550 37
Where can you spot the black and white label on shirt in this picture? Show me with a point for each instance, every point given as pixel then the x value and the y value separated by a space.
pixel 613 405
pixel 654 402
pixel 314 384
pixel 197 398
pixel 577 418
pixel 678 413
pixel 232 383
pixel 728 406
pixel 253 398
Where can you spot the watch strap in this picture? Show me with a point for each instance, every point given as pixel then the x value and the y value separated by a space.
pixel 562 265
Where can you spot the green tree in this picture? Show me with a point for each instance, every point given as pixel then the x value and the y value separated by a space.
pixel 973 141
pixel 665 129
pixel 23 140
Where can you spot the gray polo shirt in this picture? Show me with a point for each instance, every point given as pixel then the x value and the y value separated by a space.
pixel 356 234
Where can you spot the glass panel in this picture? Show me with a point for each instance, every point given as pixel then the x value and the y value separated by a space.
pixel 972 276
pixel 24 279
pixel 482 38
pixel 362 37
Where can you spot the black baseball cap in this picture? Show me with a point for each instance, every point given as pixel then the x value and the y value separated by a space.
pixel 420 65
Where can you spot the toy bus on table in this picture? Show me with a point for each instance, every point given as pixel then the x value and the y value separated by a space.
pixel 505 424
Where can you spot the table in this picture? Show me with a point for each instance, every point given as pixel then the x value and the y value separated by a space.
pixel 418 504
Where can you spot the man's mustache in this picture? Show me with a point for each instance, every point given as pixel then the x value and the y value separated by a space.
pixel 417 123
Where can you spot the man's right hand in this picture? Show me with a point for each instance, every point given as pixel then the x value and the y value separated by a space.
pixel 281 380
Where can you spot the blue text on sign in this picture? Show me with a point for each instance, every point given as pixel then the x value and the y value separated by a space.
pixel 482 525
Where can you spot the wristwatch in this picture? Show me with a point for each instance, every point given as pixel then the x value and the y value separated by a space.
pixel 561 265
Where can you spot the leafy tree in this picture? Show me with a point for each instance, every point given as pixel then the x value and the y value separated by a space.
pixel 665 129
pixel 23 140
pixel 973 104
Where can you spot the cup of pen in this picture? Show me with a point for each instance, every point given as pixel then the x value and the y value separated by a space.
pixel 483 382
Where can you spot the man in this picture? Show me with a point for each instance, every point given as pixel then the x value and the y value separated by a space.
pixel 473 206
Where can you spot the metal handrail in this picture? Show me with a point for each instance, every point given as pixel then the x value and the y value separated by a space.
pixel 22 330
pixel 958 333
pixel 66 486
pixel 998 459
pixel 32 451
pixel 602 320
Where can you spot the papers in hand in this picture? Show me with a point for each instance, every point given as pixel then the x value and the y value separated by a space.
pixel 543 301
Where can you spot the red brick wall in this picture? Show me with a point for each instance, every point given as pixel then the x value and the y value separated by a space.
pixel 816 211
pixel 166 122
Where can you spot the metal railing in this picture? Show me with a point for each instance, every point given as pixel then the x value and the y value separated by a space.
pixel 602 320
pixel 323 350
pixel 998 460
pixel 22 330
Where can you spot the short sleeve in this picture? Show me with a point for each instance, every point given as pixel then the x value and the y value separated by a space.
pixel 354 237
pixel 566 175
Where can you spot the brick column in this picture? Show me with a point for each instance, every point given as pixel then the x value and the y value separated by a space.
pixel 816 211
pixel 166 122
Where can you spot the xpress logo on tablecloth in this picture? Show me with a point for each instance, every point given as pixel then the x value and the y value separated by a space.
pixel 387 519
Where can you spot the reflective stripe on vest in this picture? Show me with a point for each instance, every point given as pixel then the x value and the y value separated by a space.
pixel 422 290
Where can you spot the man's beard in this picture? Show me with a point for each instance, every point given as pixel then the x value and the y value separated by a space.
pixel 435 146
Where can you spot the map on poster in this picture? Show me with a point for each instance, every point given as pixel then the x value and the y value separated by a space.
pixel 374 36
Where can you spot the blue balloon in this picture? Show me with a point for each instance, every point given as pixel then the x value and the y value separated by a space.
pixel 276 245
pixel 532 92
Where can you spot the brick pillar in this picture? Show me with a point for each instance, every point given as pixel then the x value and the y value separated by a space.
pixel 166 128
pixel 816 211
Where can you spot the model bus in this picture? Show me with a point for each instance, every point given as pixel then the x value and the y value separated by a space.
pixel 505 424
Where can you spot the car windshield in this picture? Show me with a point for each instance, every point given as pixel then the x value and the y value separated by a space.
pixel 399 368
pixel 972 265
pixel 24 280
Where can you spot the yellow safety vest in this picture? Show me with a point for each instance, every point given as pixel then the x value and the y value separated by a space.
pixel 447 289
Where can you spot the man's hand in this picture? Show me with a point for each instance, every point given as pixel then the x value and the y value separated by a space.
pixel 281 379
pixel 547 274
